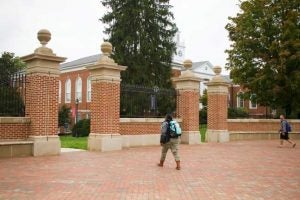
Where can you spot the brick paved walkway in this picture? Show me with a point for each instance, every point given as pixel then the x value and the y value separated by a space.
pixel 236 170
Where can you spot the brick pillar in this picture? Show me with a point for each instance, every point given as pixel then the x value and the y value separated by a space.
pixel 188 86
pixel 105 104
pixel 217 91
pixel 42 70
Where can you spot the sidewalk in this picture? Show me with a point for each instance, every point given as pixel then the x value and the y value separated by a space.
pixel 236 170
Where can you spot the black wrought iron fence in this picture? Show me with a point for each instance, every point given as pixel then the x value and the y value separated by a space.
pixel 12 96
pixel 142 102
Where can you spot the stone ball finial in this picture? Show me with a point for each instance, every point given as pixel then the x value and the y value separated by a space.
pixel 217 70
pixel 44 36
pixel 188 64
pixel 106 48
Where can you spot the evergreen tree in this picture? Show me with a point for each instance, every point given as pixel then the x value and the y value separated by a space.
pixel 142 34
pixel 265 53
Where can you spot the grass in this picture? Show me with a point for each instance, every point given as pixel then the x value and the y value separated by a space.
pixel 67 141
pixel 203 128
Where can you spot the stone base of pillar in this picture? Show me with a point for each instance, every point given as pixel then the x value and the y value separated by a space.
pixel 191 137
pixel 45 145
pixel 217 136
pixel 104 142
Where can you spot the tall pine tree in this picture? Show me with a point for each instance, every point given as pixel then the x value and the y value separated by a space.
pixel 142 34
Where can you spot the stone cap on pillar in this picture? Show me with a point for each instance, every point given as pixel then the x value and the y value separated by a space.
pixel 217 84
pixel 106 69
pixel 43 60
pixel 188 79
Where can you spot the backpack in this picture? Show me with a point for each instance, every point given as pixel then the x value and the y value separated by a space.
pixel 174 129
pixel 288 127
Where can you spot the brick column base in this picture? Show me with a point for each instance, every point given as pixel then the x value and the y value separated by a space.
pixel 45 145
pixel 191 137
pixel 104 142
pixel 217 135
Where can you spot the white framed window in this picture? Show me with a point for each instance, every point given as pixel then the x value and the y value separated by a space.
pixel 59 91
pixel 68 91
pixel 252 102
pixel 78 89
pixel 89 90
pixel 240 100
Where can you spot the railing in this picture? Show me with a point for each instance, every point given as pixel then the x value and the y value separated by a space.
pixel 143 102
pixel 12 96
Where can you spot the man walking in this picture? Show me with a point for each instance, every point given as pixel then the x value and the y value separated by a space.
pixel 167 142
pixel 284 132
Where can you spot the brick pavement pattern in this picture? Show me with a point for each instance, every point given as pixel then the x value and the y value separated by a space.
pixel 235 170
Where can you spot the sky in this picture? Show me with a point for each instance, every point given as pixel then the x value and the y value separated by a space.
pixel 77 32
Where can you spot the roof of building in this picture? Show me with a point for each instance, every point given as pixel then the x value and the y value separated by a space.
pixel 80 62
pixel 227 78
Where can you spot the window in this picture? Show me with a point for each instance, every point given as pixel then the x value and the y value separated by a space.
pixel 78 89
pixel 252 102
pixel 89 90
pixel 240 100
pixel 59 91
pixel 68 91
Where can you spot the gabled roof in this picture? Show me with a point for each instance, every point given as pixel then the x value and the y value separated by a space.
pixel 80 62
pixel 204 67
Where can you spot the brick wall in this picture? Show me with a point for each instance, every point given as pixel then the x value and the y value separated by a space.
pixel 105 107
pixel 259 125
pixel 188 110
pixel 84 105
pixel 217 112
pixel 41 104
pixel 141 126
pixel 12 128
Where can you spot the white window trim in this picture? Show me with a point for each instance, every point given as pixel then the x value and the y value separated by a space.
pixel 250 104
pixel 238 101
pixel 66 90
pixel 77 92
pixel 87 90
pixel 59 91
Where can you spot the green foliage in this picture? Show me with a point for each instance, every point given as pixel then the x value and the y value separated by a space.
pixel 142 32
pixel 203 111
pixel 64 115
pixel 11 102
pixel 9 65
pixel 203 98
pixel 265 52
pixel 203 129
pixel 203 116
pixel 73 142
pixel 81 128
pixel 237 113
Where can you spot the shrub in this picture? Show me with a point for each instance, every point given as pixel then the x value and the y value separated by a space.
pixel 203 116
pixel 81 128
pixel 64 115
pixel 234 113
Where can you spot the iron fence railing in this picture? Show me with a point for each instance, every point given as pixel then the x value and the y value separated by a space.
pixel 12 95
pixel 144 102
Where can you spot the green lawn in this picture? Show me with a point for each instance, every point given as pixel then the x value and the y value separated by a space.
pixel 73 142
pixel 203 128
